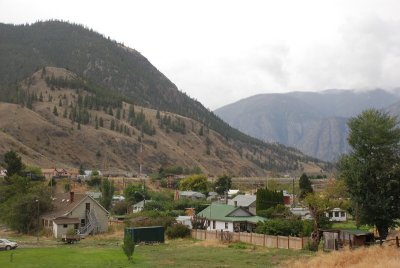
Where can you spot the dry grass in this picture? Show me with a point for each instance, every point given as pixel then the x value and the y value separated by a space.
pixel 375 256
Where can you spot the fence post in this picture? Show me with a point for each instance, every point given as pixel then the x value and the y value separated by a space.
pixel 239 236
pixel 251 238
pixel 302 242
pixel 288 242
pixel 397 242
pixel 277 242
pixel 264 241
pixel 205 234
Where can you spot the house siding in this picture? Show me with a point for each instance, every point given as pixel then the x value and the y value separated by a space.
pixel 59 230
pixel 220 225
pixel 101 215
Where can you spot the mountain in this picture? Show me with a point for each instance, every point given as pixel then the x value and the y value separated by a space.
pixel 92 77
pixel 314 123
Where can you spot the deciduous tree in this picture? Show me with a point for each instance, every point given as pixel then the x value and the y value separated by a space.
pixel 372 170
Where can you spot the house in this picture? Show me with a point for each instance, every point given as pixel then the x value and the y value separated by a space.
pixel 287 198
pixel 190 195
pixel 212 196
pixel 139 206
pixel 50 173
pixel 246 201
pixel 336 214
pixel 77 211
pixel 304 213
pixel 230 218
pixel 95 195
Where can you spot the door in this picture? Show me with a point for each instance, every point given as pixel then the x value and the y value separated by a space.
pixel 87 207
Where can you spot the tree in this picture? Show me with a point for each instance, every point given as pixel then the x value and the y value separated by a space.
pixel 305 185
pixel 55 112
pixel 107 192
pixel 317 204
pixel 194 183
pixel 371 170
pixel 266 199
pixel 128 247
pixel 223 184
pixel 101 124
pixel 134 193
pixel 13 163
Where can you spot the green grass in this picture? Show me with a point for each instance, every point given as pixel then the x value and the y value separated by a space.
pixel 179 253
pixel 350 225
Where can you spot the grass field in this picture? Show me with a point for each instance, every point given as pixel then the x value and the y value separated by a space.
pixel 178 253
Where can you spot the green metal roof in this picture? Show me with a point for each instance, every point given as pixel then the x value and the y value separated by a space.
pixel 220 212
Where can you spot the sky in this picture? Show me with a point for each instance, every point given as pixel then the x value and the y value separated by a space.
pixel 219 52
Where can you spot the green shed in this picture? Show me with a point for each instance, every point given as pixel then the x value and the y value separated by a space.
pixel 152 234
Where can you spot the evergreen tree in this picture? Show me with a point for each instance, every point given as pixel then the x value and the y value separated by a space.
pixel 305 186
pixel 96 123
pixel 112 124
pixel 118 116
pixel 101 124
pixel 107 192
pixel 55 112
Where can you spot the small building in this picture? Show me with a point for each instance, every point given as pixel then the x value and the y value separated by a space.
pixel 246 201
pixel 3 173
pixel 337 239
pixel 185 220
pixel 336 214
pixel 304 213
pixel 77 211
pixel 287 198
pixel 230 218
pixel 190 195
pixel 212 196
pixel 232 192
pixel 139 206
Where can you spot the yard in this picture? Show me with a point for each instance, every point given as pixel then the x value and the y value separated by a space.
pixel 177 253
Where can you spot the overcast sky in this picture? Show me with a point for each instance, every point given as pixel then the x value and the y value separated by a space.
pixel 221 51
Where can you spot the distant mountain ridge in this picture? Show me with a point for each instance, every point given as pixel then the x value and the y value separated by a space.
pixel 313 122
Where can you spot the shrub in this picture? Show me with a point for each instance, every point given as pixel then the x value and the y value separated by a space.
pixel 120 208
pixel 177 231
pixel 285 227
pixel 128 247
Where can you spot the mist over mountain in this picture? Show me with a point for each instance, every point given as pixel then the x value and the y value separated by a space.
pixel 313 122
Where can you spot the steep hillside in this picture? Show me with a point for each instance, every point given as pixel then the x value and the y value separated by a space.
pixel 314 123
pixel 121 74
pixel 63 120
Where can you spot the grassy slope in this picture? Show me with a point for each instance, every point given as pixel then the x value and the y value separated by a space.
pixel 179 253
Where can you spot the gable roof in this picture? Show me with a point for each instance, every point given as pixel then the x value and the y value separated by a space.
pixel 222 212
pixel 62 205
pixel 243 200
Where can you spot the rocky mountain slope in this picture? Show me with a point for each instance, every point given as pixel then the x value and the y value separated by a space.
pixel 59 126
pixel 314 123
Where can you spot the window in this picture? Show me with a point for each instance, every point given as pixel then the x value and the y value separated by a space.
pixel 213 224
pixel 226 225
pixel 330 214
pixel 336 213
pixel 343 214
pixel 65 225
pixel 82 222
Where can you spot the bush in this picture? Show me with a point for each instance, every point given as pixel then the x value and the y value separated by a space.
pixel 177 231
pixel 120 208
pixel 284 227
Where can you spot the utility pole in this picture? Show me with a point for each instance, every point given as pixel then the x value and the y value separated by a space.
pixel 38 221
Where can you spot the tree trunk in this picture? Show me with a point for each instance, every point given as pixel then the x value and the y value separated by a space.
pixel 383 230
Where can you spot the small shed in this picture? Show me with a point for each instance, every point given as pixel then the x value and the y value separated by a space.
pixel 152 234
pixel 336 239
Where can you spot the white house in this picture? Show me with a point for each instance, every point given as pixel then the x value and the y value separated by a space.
pixel 139 206
pixel 185 220
pixel 76 211
pixel 229 218
pixel 336 214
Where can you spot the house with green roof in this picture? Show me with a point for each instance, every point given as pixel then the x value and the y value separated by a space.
pixel 230 218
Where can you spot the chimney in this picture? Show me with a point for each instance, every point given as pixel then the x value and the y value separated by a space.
pixel 71 197
pixel 235 202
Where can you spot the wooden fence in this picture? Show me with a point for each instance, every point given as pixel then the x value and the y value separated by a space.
pixel 270 241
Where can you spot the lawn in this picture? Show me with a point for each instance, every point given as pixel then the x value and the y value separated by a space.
pixel 350 225
pixel 178 253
